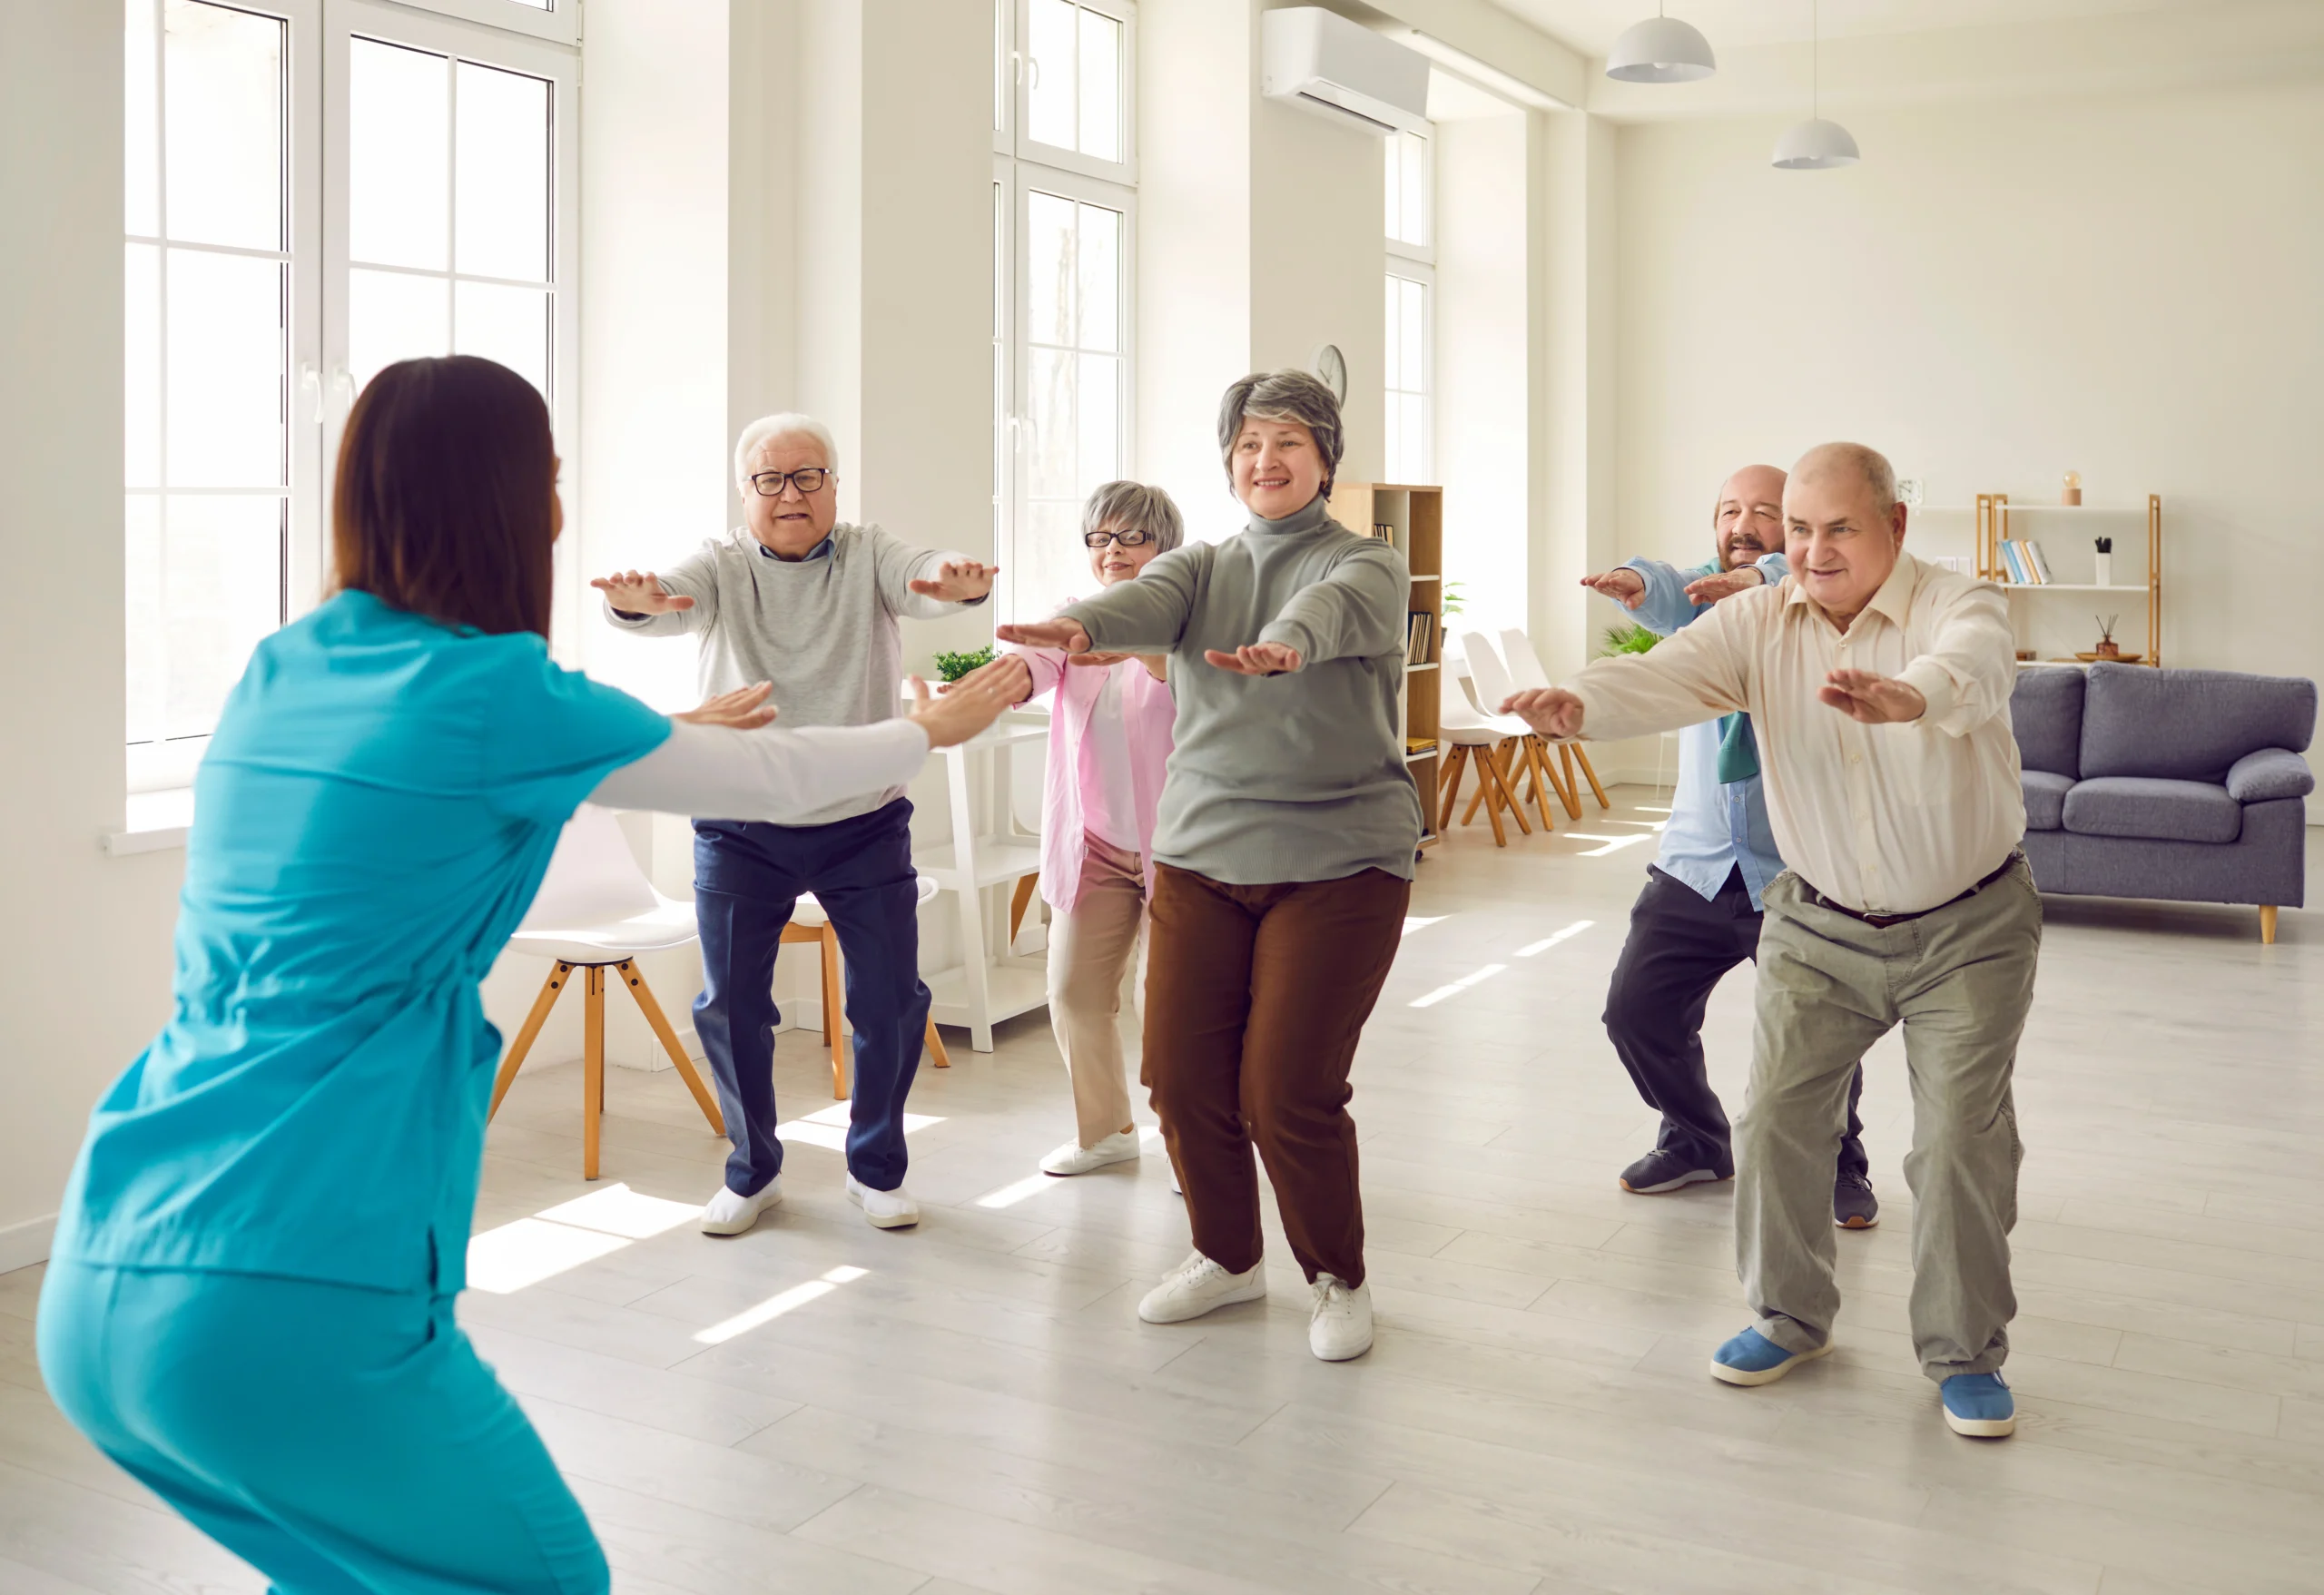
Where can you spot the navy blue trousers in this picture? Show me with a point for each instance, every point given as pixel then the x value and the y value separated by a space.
pixel 747 877
pixel 1679 948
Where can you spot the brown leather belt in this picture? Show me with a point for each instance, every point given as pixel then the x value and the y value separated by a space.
pixel 1882 921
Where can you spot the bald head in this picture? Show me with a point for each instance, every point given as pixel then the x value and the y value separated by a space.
pixel 1843 527
pixel 1747 519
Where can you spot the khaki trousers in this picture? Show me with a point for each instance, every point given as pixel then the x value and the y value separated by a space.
pixel 1959 980
pixel 1254 999
pixel 1091 945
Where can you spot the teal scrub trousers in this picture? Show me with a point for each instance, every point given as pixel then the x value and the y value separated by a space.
pixel 343 1441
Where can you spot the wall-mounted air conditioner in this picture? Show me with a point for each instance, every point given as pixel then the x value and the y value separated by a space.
pixel 1319 60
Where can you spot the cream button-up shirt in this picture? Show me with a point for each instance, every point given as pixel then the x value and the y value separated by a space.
pixel 1883 819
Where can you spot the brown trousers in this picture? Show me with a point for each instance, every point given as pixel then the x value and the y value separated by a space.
pixel 1254 999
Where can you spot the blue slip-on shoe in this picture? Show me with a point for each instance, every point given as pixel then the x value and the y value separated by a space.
pixel 1979 1405
pixel 1751 1358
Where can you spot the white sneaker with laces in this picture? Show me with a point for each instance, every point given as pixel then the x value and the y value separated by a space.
pixel 886 1209
pixel 1200 1286
pixel 1073 1157
pixel 728 1214
pixel 1342 1326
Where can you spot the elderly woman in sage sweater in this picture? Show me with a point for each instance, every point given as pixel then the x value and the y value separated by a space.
pixel 1283 853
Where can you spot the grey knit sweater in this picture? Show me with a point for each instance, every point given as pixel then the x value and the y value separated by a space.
pixel 1281 778
pixel 822 629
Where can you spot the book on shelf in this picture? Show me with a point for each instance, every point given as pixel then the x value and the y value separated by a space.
pixel 1420 637
pixel 1420 745
pixel 2019 562
pixel 2040 562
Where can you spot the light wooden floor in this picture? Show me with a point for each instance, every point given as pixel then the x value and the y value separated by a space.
pixel 978 1409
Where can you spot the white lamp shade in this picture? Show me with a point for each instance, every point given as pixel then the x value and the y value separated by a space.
pixel 1660 50
pixel 1815 146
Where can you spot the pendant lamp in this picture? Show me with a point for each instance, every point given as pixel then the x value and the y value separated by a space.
pixel 1660 50
pixel 1816 144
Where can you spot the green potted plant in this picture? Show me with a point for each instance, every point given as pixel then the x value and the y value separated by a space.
pixel 1632 638
pixel 952 666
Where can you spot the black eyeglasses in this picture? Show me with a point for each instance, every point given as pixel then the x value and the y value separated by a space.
pixel 809 480
pixel 1126 540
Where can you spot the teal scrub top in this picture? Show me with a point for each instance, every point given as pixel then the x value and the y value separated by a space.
pixel 377 809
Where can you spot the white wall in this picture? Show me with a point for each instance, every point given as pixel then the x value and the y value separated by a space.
pixel 2000 292
pixel 85 943
pixel 1485 264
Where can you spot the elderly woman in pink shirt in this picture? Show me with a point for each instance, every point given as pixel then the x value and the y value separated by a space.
pixel 1109 739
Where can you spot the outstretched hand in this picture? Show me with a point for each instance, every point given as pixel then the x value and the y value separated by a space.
pixel 958 581
pixel 1010 668
pixel 1257 659
pixel 640 593
pixel 744 709
pixel 1872 698
pixel 1623 585
pixel 967 705
pixel 1710 589
pixel 1551 710
pixel 1066 635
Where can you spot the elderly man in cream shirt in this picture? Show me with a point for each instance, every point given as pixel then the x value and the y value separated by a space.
pixel 1878 686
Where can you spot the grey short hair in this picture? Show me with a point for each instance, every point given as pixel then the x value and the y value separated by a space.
pixel 1288 394
pixel 1879 476
pixel 1134 506
pixel 755 436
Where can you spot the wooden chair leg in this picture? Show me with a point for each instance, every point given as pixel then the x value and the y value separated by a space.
pixel 593 1069
pixel 1019 902
pixel 936 1048
pixel 1485 757
pixel 834 1021
pixel 2267 924
pixel 558 975
pixel 1489 774
pixel 1542 786
pixel 1598 791
pixel 1508 761
pixel 1454 770
pixel 660 1021
pixel 1569 793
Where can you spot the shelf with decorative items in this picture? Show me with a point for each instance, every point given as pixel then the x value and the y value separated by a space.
pixel 2021 567
pixel 1412 518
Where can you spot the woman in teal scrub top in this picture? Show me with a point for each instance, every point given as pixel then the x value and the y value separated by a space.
pixel 249 1306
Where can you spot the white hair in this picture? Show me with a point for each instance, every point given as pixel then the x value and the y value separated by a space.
pixel 786 425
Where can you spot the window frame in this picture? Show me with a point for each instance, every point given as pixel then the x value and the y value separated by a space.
pixel 559 25
pixel 1012 59
pixel 170 763
pixel 1423 253
pixel 1019 180
pixel 1406 270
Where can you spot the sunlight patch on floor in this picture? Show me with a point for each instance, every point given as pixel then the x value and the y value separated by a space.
pixel 828 1126
pixel 776 1305
pixel 1477 978
pixel 1554 937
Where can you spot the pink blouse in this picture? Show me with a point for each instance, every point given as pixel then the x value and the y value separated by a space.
pixel 1074 801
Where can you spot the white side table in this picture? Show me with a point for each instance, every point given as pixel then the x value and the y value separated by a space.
pixel 988 986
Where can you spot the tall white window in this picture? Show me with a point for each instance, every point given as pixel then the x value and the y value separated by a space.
pixel 314 190
pixel 1064 208
pixel 1410 223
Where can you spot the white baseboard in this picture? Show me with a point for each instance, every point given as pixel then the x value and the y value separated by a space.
pixel 24 1245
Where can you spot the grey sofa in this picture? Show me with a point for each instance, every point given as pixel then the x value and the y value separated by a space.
pixel 2186 784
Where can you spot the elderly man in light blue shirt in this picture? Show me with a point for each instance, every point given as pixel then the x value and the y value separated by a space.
pixel 1699 914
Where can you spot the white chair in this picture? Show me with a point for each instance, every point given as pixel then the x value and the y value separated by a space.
pixel 809 922
pixel 597 910
pixel 1479 739
pixel 1525 749
pixel 1525 670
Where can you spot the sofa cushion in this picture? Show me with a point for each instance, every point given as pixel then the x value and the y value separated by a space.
pixel 2271 773
pixel 2145 806
pixel 2188 724
pixel 2045 711
pixel 2046 799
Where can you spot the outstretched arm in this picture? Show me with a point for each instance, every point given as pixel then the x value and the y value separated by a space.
pixel 1695 675
pixel 927 584
pixel 1357 610
pixel 663 604
pixel 1963 680
pixel 1148 615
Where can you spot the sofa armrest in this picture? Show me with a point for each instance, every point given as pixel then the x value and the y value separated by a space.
pixel 2271 773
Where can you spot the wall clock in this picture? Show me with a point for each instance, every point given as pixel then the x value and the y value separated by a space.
pixel 1332 367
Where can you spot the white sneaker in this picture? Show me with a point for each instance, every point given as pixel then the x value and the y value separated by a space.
pixel 728 1214
pixel 1342 1326
pixel 1198 1286
pixel 1073 1157
pixel 886 1209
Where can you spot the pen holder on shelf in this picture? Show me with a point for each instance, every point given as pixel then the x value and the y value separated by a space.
pixel 2106 578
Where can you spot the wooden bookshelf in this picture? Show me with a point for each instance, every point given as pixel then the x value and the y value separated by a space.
pixel 1413 518
pixel 1999 520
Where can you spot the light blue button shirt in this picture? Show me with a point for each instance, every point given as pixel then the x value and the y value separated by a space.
pixel 1713 828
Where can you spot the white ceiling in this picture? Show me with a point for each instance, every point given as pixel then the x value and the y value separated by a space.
pixel 1590 26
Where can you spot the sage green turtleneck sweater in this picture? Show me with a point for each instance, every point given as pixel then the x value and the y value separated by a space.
pixel 1279 778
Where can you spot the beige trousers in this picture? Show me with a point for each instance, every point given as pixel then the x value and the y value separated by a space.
pixel 1090 948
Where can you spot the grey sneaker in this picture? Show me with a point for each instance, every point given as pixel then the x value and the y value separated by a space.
pixel 1660 1171
pixel 1854 1206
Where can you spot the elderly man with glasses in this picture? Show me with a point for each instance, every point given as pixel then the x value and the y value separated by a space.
pixel 797 599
